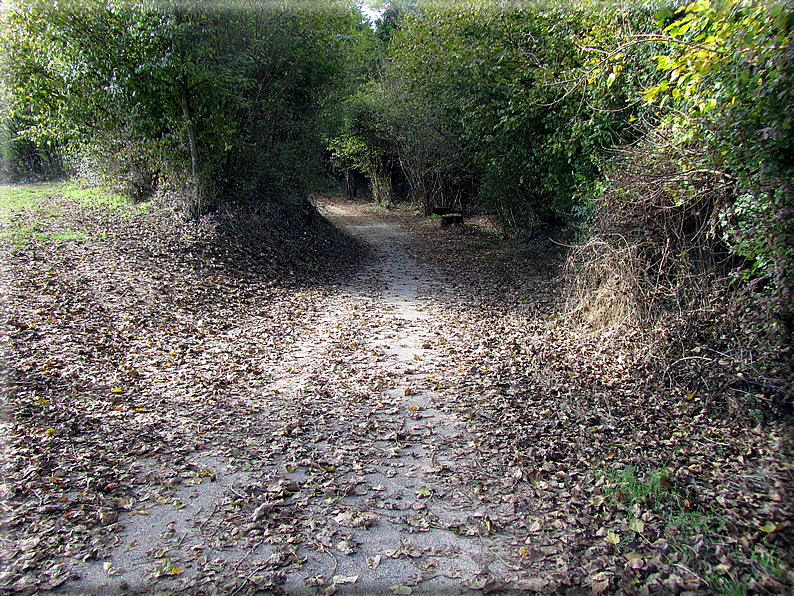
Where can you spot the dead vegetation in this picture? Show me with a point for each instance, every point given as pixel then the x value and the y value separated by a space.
pixel 655 255
pixel 656 271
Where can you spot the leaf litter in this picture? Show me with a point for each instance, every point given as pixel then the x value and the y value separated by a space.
pixel 191 408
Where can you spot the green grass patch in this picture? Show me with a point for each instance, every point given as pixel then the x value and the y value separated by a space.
pixel 695 520
pixel 99 197
pixel 41 212
pixel 26 197
pixel 653 490
pixel 764 563
pixel 67 236
pixel 23 236
pixel 629 488
pixel 22 197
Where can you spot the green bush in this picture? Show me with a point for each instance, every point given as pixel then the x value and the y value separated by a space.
pixel 730 73
pixel 217 100
pixel 500 103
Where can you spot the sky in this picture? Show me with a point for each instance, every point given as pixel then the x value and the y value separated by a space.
pixel 371 13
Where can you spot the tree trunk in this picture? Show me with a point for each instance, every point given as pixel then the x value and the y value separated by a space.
pixel 191 135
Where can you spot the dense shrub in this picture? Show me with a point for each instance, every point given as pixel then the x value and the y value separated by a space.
pixel 214 99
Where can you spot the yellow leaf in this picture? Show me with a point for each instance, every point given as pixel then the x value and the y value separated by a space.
pixel 612 538
pixel 117 390
pixel 769 527
pixel 637 525
pixel 423 491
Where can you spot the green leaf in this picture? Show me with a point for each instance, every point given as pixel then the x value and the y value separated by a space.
pixel 663 14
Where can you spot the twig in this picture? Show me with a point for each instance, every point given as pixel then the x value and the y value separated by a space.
pixel 687 569
pixel 247 579
pixel 231 488
pixel 713 442
pixel 181 540
pixel 209 517
pixel 38 496
pixel 678 362
pixel 336 563
pixel 250 552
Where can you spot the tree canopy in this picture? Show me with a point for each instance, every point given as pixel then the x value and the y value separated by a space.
pixel 217 98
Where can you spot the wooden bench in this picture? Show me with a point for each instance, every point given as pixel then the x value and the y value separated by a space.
pixel 452 219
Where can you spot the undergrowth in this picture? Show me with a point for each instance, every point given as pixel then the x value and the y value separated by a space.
pixel 691 531
pixel 659 283
pixel 658 267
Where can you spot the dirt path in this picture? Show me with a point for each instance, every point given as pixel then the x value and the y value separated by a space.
pixel 174 421
pixel 360 479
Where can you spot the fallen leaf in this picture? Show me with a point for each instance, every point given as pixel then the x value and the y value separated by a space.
pixel 770 527
pixel 423 492
pixel 532 584
pixel 598 587
pixel 344 547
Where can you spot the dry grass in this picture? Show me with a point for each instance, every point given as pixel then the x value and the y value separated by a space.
pixel 654 281
pixel 655 254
